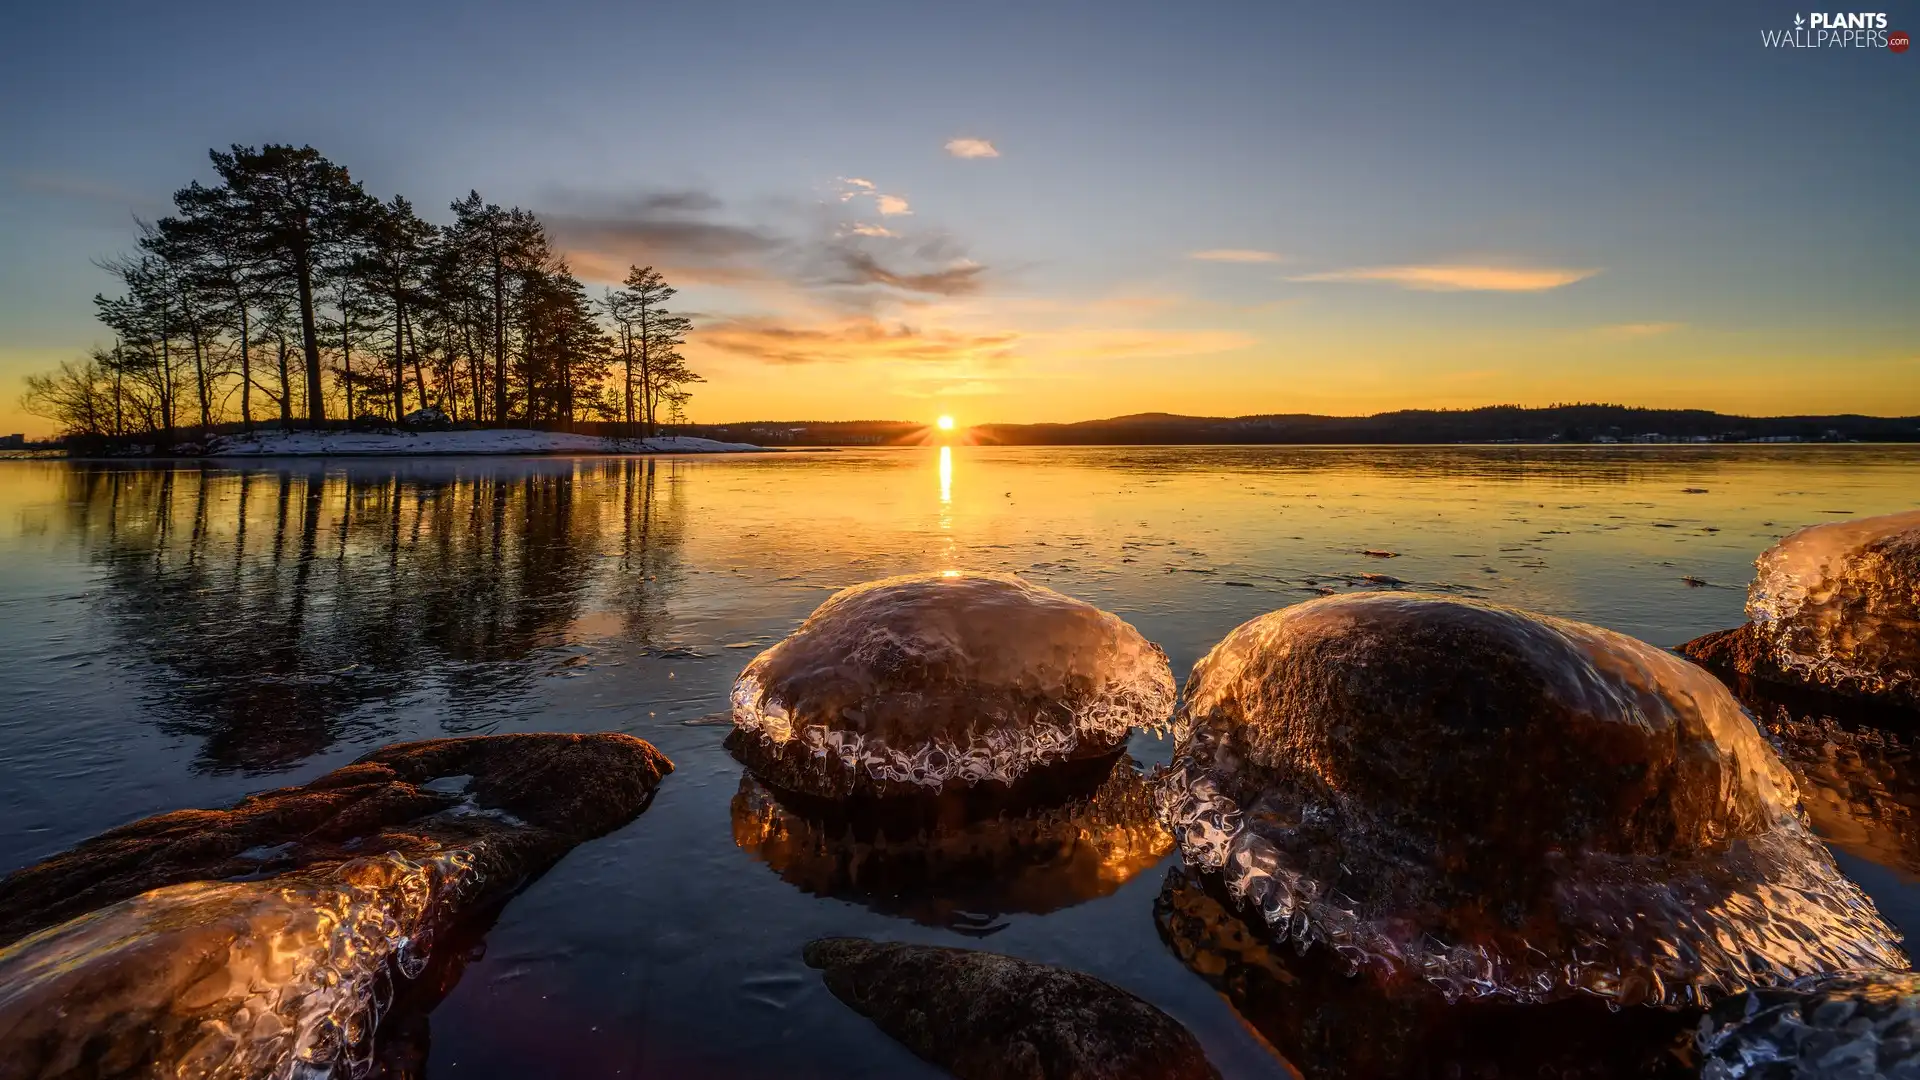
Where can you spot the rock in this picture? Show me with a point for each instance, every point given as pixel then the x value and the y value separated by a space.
pixel 1326 1023
pixel 1857 766
pixel 984 1016
pixel 1854 1026
pixel 961 859
pixel 1503 804
pixel 943 680
pixel 263 938
pixel 1832 606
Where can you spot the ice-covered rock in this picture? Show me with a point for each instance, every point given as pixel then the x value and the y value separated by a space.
pixel 983 1016
pixel 1853 1026
pixel 263 940
pixel 1840 605
pixel 961 859
pixel 1327 1024
pixel 1505 804
pixel 945 679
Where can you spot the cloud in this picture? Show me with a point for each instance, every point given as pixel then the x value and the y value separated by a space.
pixel 774 342
pixel 845 263
pixel 893 205
pixel 1639 329
pixel 971 148
pixel 1235 255
pixel 1457 277
pixel 860 267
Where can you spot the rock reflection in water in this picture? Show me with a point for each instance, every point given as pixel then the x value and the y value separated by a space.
pixel 1858 766
pixel 962 859
pixel 1326 1023
pixel 279 610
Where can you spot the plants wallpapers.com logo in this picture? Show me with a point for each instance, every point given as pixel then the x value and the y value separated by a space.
pixel 1838 29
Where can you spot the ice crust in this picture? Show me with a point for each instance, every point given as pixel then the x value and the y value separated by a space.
pixel 927 680
pixel 1840 604
pixel 1854 1026
pixel 282 978
pixel 1503 803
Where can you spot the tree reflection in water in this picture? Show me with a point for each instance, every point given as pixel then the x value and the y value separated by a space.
pixel 279 611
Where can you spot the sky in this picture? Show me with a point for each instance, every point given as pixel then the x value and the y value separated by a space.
pixel 1040 211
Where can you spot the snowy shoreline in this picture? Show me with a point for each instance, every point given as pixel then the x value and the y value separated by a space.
pixel 407 443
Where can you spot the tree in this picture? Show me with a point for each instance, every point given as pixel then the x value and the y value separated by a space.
pixel 392 266
pixel 503 242
pixel 297 212
pixel 652 335
pixel 79 396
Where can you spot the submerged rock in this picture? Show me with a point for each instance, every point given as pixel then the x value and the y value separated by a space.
pixel 1503 804
pixel 1834 606
pixel 984 1016
pixel 1328 1024
pixel 261 940
pixel 940 680
pixel 961 859
pixel 1856 1026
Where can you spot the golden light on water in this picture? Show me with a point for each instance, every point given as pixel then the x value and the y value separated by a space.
pixel 945 423
pixel 946 474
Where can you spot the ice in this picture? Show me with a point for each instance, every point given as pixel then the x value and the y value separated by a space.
pixel 276 978
pixel 1503 804
pixel 1839 605
pixel 926 680
pixel 1855 1026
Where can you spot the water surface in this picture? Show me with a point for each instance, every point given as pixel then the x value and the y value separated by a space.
pixel 181 634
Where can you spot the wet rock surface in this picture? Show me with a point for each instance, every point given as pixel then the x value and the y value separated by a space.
pixel 1854 1026
pixel 1834 606
pixel 1326 1023
pixel 1857 765
pixel 984 1016
pixel 1504 804
pixel 266 937
pixel 943 680
pixel 962 859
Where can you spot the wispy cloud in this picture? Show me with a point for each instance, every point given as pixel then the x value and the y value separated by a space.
pixel 1639 329
pixel 860 267
pixel 862 229
pixel 972 148
pixel 1235 255
pixel 1458 277
pixel 894 205
pixel 778 342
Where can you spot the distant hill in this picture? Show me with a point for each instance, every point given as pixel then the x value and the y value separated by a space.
pixel 1497 423
pixel 1494 423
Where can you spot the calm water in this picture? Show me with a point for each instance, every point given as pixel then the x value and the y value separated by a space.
pixel 181 635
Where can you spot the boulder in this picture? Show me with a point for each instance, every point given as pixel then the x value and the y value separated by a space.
pixel 265 937
pixel 943 680
pixel 983 1016
pixel 1853 1026
pixel 962 859
pixel 1503 804
pixel 1832 606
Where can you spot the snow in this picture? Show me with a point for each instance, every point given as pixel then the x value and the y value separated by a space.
pixel 502 441
pixel 1503 804
pixel 953 676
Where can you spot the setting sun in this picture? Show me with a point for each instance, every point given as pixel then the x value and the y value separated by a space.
pixel 945 423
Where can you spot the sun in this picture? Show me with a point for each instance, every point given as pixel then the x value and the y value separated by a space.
pixel 945 423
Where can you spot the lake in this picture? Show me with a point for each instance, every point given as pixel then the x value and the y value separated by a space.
pixel 180 634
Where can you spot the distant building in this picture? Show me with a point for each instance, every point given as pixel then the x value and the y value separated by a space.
pixel 13 442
